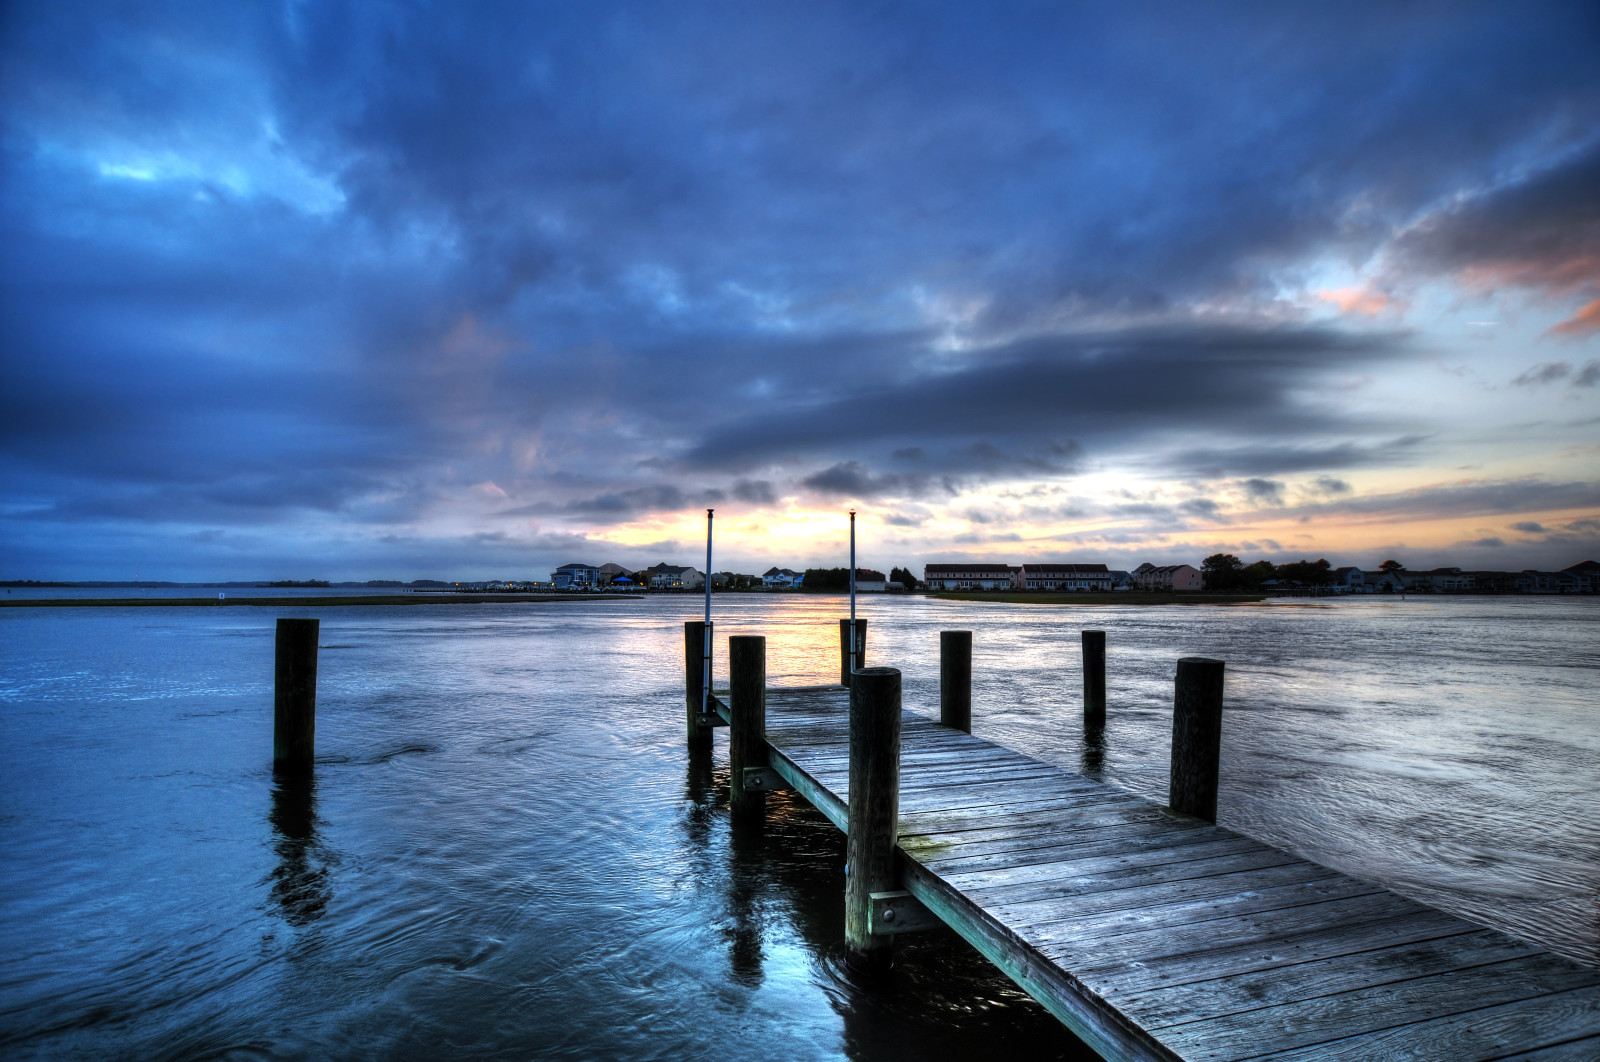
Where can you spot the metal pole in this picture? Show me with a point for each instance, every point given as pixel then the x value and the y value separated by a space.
pixel 852 589
pixel 705 673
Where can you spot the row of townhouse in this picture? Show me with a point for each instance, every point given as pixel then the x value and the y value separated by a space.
pixel 1583 578
pixel 1058 577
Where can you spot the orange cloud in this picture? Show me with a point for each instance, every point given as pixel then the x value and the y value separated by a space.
pixel 1582 323
pixel 1364 301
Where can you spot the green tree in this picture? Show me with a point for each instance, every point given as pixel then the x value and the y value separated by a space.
pixel 1258 573
pixel 1308 573
pixel 1221 571
pixel 1391 566
pixel 904 577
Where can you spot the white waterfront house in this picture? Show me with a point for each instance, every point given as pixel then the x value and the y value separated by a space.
pixel 1063 577
pixel 782 579
pixel 968 576
pixel 672 577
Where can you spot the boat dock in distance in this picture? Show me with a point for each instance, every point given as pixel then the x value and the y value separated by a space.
pixel 1149 931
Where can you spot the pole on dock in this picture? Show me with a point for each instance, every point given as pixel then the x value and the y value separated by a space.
pixel 852 633
pixel 1196 737
pixel 294 696
pixel 1094 680
pixel 955 679
pixel 874 810
pixel 696 666
pixel 855 663
pixel 705 670
pixel 747 728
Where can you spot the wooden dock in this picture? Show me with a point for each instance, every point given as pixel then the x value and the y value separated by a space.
pixel 1154 935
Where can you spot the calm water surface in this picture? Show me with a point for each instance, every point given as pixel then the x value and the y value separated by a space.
pixel 507 853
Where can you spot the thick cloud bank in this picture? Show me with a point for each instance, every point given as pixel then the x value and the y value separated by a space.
pixel 431 289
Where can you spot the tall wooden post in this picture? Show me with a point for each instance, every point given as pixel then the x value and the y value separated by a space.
pixel 874 810
pixel 846 665
pixel 747 730
pixel 955 679
pixel 294 696
pixel 694 665
pixel 1196 737
pixel 1094 680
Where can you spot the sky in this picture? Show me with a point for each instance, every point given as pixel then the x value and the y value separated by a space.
pixel 411 290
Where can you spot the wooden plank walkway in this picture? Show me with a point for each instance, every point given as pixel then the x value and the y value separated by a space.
pixel 1157 936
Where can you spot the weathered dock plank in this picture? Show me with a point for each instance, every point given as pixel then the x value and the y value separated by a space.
pixel 1155 935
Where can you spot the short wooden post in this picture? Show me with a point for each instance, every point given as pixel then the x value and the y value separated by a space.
pixel 955 679
pixel 694 662
pixel 874 810
pixel 1094 680
pixel 846 666
pixel 1196 737
pixel 294 696
pixel 747 729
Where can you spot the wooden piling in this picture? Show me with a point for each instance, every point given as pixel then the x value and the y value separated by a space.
pixel 846 665
pixel 1094 680
pixel 694 663
pixel 747 728
pixel 294 697
pixel 1196 737
pixel 955 679
pixel 873 814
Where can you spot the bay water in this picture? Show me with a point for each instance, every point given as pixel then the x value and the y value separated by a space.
pixel 506 852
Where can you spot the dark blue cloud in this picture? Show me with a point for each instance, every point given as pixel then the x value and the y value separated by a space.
pixel 347 259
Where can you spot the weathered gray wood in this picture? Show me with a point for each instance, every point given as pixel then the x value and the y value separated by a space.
pixel 747 726
pixel 1196 737
pixel 955 680
pixel 694 661
pixel 1584 1050
pixel 294 696
pixel 874 809
pixel 1209 997
pixel 1156 935
pixel 847 663
pixel 1094 680
pixel 900 912
pixel 1483 1034
pixel 763 780
pixel 1302 1023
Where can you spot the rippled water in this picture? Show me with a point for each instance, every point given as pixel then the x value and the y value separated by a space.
pixel 507 853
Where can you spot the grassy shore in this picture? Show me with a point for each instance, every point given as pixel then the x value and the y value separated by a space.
pixel 308 601
pixel 1021 597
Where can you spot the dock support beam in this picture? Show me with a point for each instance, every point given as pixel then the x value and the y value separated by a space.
pixel 846 665
pixel 1196 737
pixel 1094 680
pixel 874 811
pixel 294 696
pixel 955 679
pixel 747 729
pixel 694 665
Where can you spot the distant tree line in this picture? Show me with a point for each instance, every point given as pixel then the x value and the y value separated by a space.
pixel 826 579
pixel 1224 571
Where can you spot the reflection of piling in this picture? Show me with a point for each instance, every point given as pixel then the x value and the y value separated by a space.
pixel 846 664
pixel 955 679
pixel 874 806
pixel 747 730
pixel 695 661
pixel 299 887
pixel 1094 680
pixel 1196 737
pixel 294 701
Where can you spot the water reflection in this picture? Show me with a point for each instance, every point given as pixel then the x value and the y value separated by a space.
pixel 300 880
pixel 1094 751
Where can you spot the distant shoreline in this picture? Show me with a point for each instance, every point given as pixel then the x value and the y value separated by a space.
pixel 309 601
pixel 1021 597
